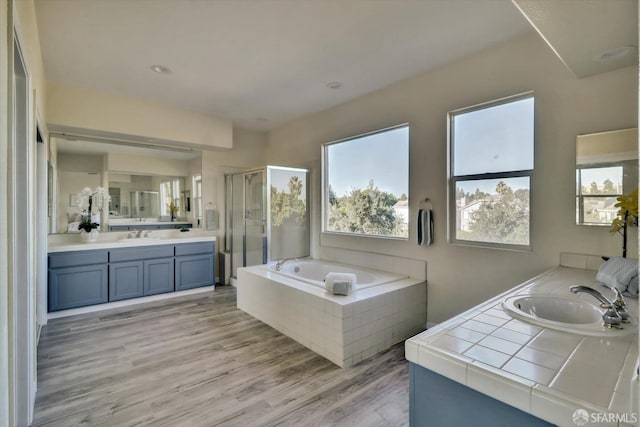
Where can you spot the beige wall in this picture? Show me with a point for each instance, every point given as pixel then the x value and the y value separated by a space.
pixel 142 165
pixel 248 152
pixel 103 113
pixel 460 277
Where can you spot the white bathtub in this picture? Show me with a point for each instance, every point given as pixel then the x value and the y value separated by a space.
pixel 314 271
pixel 385 309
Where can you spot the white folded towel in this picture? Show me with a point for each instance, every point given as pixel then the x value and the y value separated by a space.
pixel 621 273
pixel 339 283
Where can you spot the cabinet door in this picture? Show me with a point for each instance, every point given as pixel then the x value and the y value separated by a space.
pixel 194 271
pixel 158 276
pixel 78 286
pixel 125 280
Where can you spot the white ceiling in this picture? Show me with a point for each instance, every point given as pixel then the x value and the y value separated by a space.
pixel 580 31
pixel 261 63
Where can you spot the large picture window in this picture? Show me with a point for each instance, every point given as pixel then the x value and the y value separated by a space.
pixel 366 184
pixel 491 161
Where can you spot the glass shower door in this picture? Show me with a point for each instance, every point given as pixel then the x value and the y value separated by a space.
pixel 236 224
pixel 255 249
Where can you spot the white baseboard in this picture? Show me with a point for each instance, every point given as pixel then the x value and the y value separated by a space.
pixel 125 303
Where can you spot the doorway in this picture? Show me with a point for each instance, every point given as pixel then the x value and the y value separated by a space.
pixel 20 252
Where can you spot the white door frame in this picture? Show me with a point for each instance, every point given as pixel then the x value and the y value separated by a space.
pixel 21 241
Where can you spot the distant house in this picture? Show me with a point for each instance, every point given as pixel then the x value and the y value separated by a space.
pixel 465 212
pixel 401 209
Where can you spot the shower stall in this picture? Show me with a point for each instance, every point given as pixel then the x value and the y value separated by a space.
pixel 267 215
pixel 145 204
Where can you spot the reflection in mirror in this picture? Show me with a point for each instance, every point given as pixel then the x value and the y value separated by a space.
pixel 143 182
pixel 606 167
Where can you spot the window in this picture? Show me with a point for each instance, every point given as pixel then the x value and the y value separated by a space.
pixel 197 198
pixel 597 191
pixel 491 161
pixel 170 193
pixel 366 183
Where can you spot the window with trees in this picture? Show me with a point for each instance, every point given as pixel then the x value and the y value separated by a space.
pixel 597 189
pixel 366 183
pixel 490 164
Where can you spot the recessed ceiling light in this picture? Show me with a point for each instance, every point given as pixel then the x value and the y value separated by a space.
pixel 334 85
pixel 160 69
pixel 613 53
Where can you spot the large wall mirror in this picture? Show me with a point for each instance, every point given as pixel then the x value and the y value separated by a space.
pixel 142 181
pixel 606 167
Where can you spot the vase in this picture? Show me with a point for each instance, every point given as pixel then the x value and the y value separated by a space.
pixel 89 237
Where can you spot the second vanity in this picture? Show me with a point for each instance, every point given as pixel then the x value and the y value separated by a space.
pixel 84 274
pixel 485 367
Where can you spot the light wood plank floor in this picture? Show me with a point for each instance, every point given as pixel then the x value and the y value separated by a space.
pixel 199 361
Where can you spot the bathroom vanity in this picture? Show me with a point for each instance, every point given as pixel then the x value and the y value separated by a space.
pixel 485 367
pixel 83 274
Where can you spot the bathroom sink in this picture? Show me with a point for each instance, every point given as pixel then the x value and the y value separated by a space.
pixel 568 314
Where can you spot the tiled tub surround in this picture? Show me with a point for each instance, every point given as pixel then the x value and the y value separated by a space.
pixel 543 372
pixel 344 329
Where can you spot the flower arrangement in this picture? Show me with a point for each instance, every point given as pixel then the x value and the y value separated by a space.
pixel 89 199
pixel 173 208
pixel 627 216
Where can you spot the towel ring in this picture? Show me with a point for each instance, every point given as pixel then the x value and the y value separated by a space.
pixel 425 204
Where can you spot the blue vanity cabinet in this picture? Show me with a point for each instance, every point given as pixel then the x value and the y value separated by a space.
pixel 134 272
pixel 125 280
pixel 158 276
pixel 77 279
pixel 82 278
pixel 194 265
pixel 435 400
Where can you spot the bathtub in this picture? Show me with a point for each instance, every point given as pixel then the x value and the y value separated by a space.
pixel 314 271
pixel 383 309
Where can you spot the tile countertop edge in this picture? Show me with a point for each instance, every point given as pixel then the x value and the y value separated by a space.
pixel 126 243
pixel 537 399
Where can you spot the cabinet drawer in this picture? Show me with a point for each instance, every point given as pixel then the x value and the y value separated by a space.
pixel 194 248
pixel 70 259
pixel 142 252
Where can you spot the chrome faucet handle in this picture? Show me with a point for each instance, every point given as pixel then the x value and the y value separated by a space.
pixel 619 303
pixel 611 317
pixel 146 233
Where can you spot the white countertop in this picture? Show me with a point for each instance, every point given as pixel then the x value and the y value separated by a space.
pixel 544 372
pixel 131 222
pixel 118 240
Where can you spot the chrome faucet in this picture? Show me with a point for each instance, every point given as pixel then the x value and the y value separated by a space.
pixel 280 262
pixel 611 317
pixel 138 233
pixel 619 303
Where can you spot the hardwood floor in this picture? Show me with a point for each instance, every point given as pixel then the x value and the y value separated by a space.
pixel 199 361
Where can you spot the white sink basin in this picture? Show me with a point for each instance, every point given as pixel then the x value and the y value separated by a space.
pixel 568 314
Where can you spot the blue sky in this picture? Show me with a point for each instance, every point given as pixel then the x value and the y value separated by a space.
pixel 494 139
pixel 383 157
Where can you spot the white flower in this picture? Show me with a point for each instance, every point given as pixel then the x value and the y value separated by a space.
pixel 99 199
